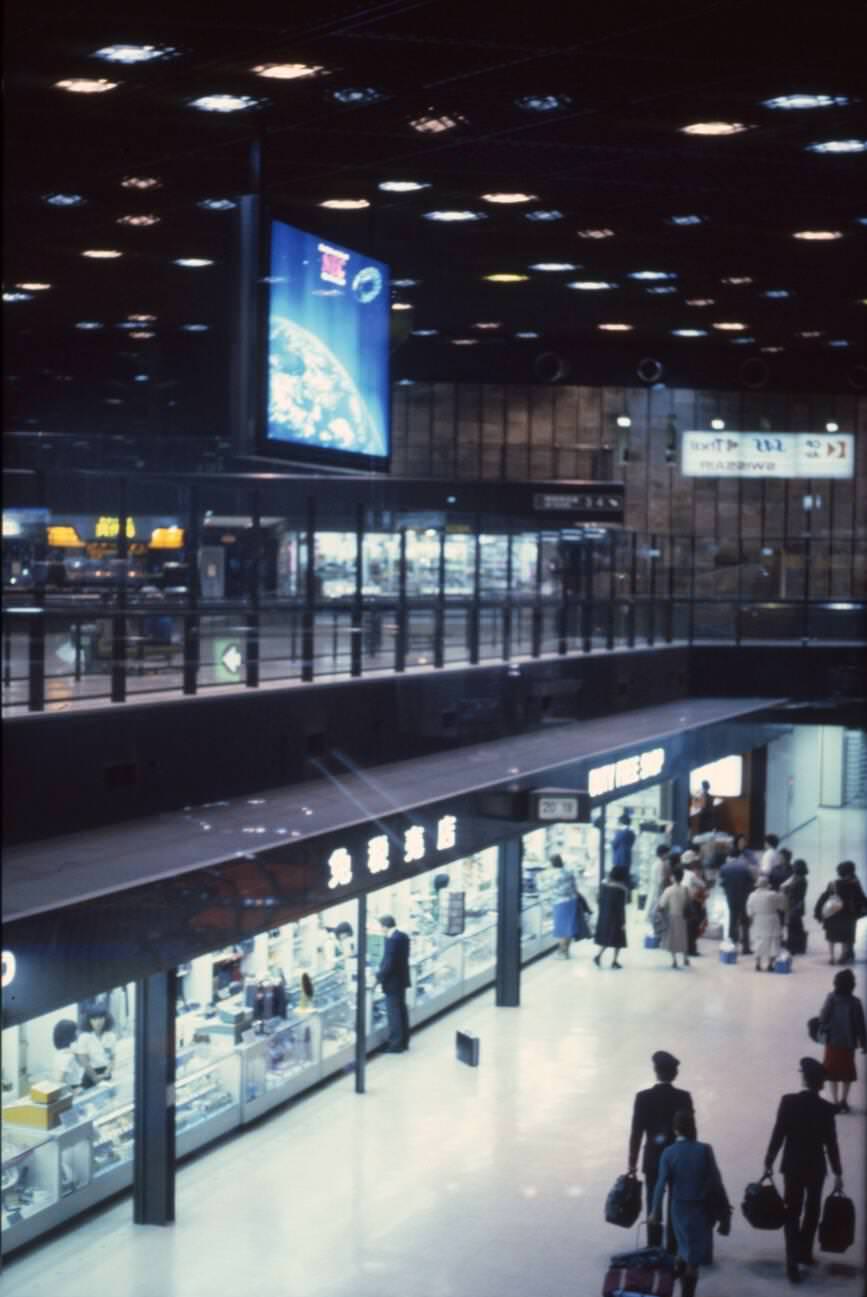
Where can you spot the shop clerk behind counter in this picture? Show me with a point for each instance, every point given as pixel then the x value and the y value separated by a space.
pixel 95 1047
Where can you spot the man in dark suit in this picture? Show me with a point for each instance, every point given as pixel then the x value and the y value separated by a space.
pixel 393 977
pixel 652 1118
pixel 805 1129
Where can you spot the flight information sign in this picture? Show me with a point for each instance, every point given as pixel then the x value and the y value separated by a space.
pixel 768 454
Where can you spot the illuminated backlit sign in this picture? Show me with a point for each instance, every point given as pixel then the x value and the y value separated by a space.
pixel 64 536
pixel 167 538
pixel 625 773
pixel 340 868
pixel 8 968
pixel 560 503
pixel 11 526
pixel 108 528
pixel 411 845
pixel 332 267
pixel 725 777
pixel 377 854
pixel 767 454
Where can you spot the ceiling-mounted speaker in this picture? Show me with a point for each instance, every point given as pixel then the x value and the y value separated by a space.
pixel 549 367
pixel 754 373
pixel 858 377
pixel 649 370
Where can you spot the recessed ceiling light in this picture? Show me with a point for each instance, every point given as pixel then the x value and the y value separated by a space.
pixel 404 283
pixel 776 293
pixel 217 204
pixel 142 319
pixel 838 146
pixel 133 53
pixel 527 333
pixel 660 289
pixel 345 204
pixel 615 328
pixel 401 306
pixel 63 200
pixel 839 342
pixel 601 232
pixel 508 198
pixel 692 219
pixel 224 103
pixel 543 103
pixel 730 326
pixel 17 297
pixel 465 342
pixel 126 324
pixel 356 95
pixel 142 333
pixel 742 341
pixel 544 214
pixel 89 325
pixel 402 186
pixel 193 263
pixel 86 85
pixel 488 324
pixel 718 425
pixel 652 274
pixel 554 265
pixel 772 351
pixel 102 254
pixel 33 286
pixel 287 71
pixel 432 123
pixel 406 382
pixel 623 421
pixel 591 285
pixel 832 427
pixel 454 216
pixel 425 333
pixel 505 277
pixel 690 333
pixel 141 378
pixel 713 128
pixel 194 328
pixel 818 236
pixel 140 221
pixel 141 182
pixel 700 301
pixel 737 281
pixel 811 333
pixel 806 101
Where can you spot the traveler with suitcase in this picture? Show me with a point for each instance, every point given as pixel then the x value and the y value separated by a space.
pixel 698 1199
pixel 806 1131
pixel 652 1122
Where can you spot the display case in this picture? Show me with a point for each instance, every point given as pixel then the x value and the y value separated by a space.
pixel 31 1184
pixel 334 1001
pixel 282 1061
pixel 207 1102
pixel 480 957
pixel 438 979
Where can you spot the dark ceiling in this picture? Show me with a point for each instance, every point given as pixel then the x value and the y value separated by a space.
pixel 624 79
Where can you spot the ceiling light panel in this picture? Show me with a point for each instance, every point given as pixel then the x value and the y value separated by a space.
pixel 141 183
pixel 140 220
pixel 345 204
pixel 713 128
pixel 542 103
pixel 130 54
pixel 544 214
pixel 432 123
pixel 506 277
pixel 652 274
pixel 86 85
pixel 193 263
pixel 691 218
pixel 402 186
pixel 287 71
pixel 599 232
pixel 508 199
pixel 689 333
pixel 554 265
pixel 818 236
pixel 217 204
pixel 64 200
pixel 33 286
pixel 357 95
pixel 102 254
pixel 838 146
pixel 701 301
pixel 730 326
pixel 454 216
pixel 591 285
pixel 802 101
pixel 224 103
pixel 615 327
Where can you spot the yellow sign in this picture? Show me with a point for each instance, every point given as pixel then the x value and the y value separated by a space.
pixel 64 536
pixel 108 528
pixel 167 538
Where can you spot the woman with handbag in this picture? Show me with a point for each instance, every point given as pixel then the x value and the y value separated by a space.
pixel 611 923
pixel 570 908
pixel 842 1028
pixel 698 1199
pixel 838 909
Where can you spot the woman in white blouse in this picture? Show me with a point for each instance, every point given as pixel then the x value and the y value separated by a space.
pixel 672 903
pixel 67 1069
pixel 765 909
pixel 95 1047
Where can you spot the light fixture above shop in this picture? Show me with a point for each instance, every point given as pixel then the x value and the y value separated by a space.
pixel 508 199
pixel 713 128
pixel 141 182
pixel 219 103
pixel 591 285
pixel 287 71
pixel 130 54
pixel 454 216
pixel 818 236
pixel 102 254
pixel 345 204
pixel 506 277
pixel 402 186
pixel 86 85
pixel 718 425
pixel 140 220
pixel 193 263
pixel 596 232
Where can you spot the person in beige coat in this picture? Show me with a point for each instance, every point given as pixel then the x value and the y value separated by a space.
pixel 672 904
pixel 765 909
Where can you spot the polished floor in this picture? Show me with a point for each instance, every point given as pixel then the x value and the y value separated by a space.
pixel 445 1181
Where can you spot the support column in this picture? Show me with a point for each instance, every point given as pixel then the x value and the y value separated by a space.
pixel 361 995
pixel 509 924
pixel 601 818
pixel 154 1145
pixel 758 791
pixel 680 810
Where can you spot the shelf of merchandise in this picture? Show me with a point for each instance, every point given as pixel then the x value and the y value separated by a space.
pixel 207 1103
pixel 480 957
pixel 438 982
pixel 280 1064
pixel 31 1185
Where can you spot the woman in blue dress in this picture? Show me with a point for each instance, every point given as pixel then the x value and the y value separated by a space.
pixel 698 1199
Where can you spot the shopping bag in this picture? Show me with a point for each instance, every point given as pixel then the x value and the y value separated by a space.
pixel 651 941
pixel 623 1204
pixel 837 1226
pixel 728 953
pixel 783 964
pixel 763 1208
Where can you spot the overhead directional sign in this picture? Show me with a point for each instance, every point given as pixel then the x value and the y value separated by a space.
pixel 767 454
pixel 228 660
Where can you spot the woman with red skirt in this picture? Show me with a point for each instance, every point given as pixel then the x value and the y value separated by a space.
pixel 841 1025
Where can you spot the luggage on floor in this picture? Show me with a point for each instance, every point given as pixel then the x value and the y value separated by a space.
pixel 651 941
pixel 642 1257
pixel 623 1204
pixel 837 1226
pixel 762 1206
pixel 728 953
pixel 783 964
pixel 623 1281
pixel 714 932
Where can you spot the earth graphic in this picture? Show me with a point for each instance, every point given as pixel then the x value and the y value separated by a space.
pixel 312 397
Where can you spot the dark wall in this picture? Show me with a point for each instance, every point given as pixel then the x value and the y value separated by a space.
pixel 69 772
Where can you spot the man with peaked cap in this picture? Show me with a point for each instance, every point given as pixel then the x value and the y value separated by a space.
pixel 652 1122
pixel 806 1130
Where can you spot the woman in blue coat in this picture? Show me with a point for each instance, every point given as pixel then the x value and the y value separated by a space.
pixel 698 1199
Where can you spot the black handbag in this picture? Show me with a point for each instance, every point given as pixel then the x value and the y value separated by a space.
pixel 837 1226
pixel 762 1206
pixel 623 1204
pixel 817 1033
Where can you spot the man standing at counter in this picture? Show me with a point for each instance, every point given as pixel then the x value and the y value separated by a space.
pixel 393 977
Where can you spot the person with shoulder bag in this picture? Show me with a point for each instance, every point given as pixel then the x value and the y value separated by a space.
pixel 842 1030
pixel 698 1198
pixel 838 909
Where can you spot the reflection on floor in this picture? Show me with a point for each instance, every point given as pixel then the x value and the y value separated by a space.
pixel 444 1181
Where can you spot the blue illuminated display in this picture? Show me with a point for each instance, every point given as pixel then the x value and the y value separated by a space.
pixel 328 334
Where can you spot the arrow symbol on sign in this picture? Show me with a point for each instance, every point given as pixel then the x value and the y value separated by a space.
pixel 232 659
pixel 66 651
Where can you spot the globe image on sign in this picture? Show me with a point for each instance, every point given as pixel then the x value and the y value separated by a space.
pixel 367 284
pixel 312 398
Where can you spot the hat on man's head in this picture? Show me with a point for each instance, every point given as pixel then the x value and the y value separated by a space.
pixel 662 1059
pixel 813 1071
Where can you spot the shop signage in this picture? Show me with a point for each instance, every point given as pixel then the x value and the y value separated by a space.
pixel 624 773
pixel 63 536
pixel 8 968
pixel 554 806
pixel 410 846
pixel 566 503
pixel 767 454
pixel 107 528
pixel 228 659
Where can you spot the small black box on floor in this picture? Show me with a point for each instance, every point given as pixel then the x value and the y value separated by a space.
pixel 467 1048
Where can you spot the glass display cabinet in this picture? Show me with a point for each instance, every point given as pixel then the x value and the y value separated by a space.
pixel 207 1101
pixel 282 1061
pixel 334 1001
pixel 31 1184
pixel 480 956
pixel 438 980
